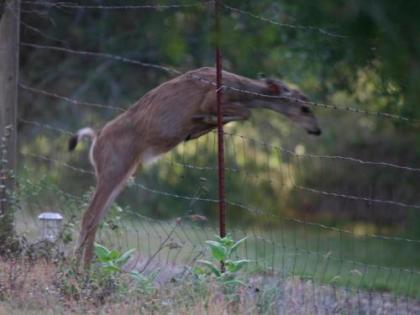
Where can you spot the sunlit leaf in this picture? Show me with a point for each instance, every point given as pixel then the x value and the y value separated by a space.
pixel 218 251
pixel 101 252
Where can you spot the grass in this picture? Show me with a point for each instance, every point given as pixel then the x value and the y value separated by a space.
pixel 46 287
pixel 323 256
pixel 296 268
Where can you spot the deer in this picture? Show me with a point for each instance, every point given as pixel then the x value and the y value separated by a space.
pixel 181 109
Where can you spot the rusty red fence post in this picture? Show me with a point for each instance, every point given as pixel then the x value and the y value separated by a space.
pixel 220 139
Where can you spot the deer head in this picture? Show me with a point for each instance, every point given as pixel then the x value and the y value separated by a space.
pixel 292 103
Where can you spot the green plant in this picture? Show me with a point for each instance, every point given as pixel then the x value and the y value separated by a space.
pixel 222 250
pixel 111 263
pixel 144 284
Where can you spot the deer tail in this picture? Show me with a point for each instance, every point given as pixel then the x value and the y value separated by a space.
pixel 78 136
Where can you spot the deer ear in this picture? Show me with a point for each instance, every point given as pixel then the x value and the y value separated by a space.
pixel 273 87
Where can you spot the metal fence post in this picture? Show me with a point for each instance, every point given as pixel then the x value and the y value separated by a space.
pixel 220 139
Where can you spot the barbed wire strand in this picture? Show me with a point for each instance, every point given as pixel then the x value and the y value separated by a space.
pixel 330 157
pixel 298 250
pixel 68 99
pixel 251 140
pixel 349 266
pixel 329 106
pixel 102 55
pixel 45 126
pixel 299 187
pixel 285 25
pixel 407 120
pixel 28 26
pixel 69 5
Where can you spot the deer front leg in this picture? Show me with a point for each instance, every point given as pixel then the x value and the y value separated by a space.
pixel 207 122
pixel 230 112
pixel 230 107
pixel 212 120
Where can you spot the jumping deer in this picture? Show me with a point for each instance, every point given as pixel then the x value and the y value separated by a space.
pixel 178 110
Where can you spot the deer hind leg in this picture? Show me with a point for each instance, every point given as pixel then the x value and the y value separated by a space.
pixel 108 188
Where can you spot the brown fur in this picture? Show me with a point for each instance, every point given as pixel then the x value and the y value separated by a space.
pixel 181 109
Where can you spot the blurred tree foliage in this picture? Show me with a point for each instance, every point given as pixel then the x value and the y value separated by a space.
pixel 358 53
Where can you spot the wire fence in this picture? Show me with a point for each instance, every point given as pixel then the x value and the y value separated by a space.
pixel 331 266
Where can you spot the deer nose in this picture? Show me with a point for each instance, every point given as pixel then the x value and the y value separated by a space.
pixel 315 132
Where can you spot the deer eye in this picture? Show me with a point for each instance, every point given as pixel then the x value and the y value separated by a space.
pixel 305 110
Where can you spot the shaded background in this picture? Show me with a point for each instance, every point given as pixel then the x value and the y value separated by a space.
pixel 358 54
pixel 362 54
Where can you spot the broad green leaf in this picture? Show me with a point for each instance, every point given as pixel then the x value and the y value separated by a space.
pixel 228 241
pixel 101 252
pixel 218 238
pixel 113 254
pixel 218 251
pixel 235 266
pixel 212 267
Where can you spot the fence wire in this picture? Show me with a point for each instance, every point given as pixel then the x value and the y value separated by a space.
pixel 285 25
pixel 333 107
pixel 322 267
pixel 167 247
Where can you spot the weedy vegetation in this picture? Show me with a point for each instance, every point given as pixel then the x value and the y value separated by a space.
pixel 145 266
pixel 223 266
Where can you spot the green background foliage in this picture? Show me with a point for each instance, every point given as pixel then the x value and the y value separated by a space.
pixel 363 54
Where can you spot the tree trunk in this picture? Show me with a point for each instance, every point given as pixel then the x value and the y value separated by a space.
pixel 9 71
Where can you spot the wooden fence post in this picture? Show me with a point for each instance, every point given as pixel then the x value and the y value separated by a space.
pixel 9 76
